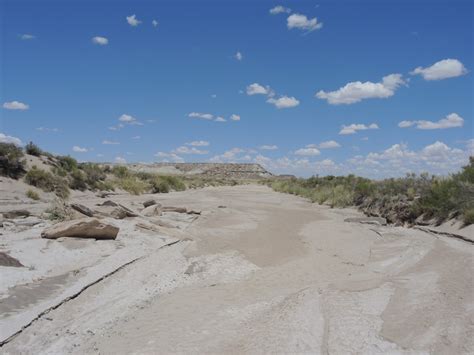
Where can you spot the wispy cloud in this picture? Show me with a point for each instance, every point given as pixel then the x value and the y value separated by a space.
pixel 234 117
pixel 268 147
pixel 329 145
pixel 107 142
pixel 205 116
pixel 309 150
pixel 15 105
pixel 357 91
pixel 302 22
pixel 155 23
pixel 452 120
pixel 186 150
pixel 79 149
pixel 26 36
pixel 279 10
pixel 101 41
pixel 353 128
pixel 46 129
pixel 198 144
pixel 239 56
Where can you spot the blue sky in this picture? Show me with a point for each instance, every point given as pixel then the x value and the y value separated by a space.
pixel 304 78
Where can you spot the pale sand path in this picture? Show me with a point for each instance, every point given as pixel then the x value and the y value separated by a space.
pixel 273 273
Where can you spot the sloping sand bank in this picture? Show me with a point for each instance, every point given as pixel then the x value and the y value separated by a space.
pixel 257 272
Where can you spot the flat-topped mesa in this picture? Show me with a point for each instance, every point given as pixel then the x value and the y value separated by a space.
pixel 221 170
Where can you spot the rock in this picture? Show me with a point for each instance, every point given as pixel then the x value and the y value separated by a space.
pixel 221 206
pixel 175 209
pixel 16 214
pixel 152 211
pixel 148 203
pixel 108 203
pixel 368 220
pixel 128 211
pixel 82 209
pixel 193 212
pixel 115 210
pixel 7 260
pixel 81 228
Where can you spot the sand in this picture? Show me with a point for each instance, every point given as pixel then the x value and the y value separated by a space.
pixel 270 273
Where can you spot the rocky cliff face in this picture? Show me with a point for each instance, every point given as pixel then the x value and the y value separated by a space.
pixel 220 170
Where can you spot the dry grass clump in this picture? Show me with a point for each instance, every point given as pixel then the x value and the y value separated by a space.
pixel 32 194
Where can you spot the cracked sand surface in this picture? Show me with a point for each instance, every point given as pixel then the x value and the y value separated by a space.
pixel 271 273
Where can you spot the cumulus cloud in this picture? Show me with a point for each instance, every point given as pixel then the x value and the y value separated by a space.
pixel 15 105
pixel 279 10
pixel 284 102
pixel 238 56
pixel 186 150
pixel 27 36
pixel 205 116
pixel 444 69
pixel 257 89
pixel 166 157
pixel 235 117
pixel 357 91
pixel 452 120
pixel 220 119
pixel 133 21
pixel 268 147
pixel 302 22
pixel 102 41
pixel 120 160
pixel 329 145
pixel 198 144
pixel 154 23
pixel 128 119
pixel 309 150
pixel 78 149
pixel 107 142
pixel 10 139
pixel 354 127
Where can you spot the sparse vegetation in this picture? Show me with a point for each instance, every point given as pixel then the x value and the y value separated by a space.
pixel 11 161
pixel 399 200
pixel 59 211
pixel 33 149
pixel 32 194
pixel 47 182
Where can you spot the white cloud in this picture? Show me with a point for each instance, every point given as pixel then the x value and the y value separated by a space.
pixel 10 139
pixel 133 21
pixel 78 149
pixel 257 89
pixel 136 137
pixel 186 150
pixel 235 117
pixel 302 22
pixel 354 127
pixel 206 116
pixel 15 105
pixel 165 157
pixel 127 119
pixel 284 102
pixel 238 56
pixel 198 143
pixel 220 119
pixel 444 69
pixel 452 120
pixel 232 155
pixel 357 91
pixel 155 23
pixel 120 160
pixel 106 142
pixel 46 129
pixel 268 147
pixel 279 10
pixel 309 151
pixel 329 145
pixel 102 41
pixel 27 36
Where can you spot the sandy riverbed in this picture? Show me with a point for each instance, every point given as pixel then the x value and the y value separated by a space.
pixel 268 273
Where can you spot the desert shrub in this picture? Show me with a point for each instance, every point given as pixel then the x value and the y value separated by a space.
pixel 174 182
pixel 67 163
pixel 47 182
pixel 121 171
pixel 159 185
pixel 59 210
pixel 77 180
pixel 468 216
pixel 341 197
pixel 133 185
pixel 33 149
pixel 11 163
pixel 94 175
pixel 105 185
pixel 32 194
pixel 162 183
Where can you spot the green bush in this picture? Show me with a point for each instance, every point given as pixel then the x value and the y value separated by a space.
pixel 33 149
pixel 77 180
pixel 67 163
pixel 32 194
pixel 133 185
pixel 121 171
pixel 47 182
pixel 468 216
pixel 11 163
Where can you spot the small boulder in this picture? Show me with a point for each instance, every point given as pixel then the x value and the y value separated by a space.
pixel 83 209
pixel 148 203
pixel 152 211
pixel 7 260
pixel 175 209
pixel 16 214
pixel 81 228
pixel 108 203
